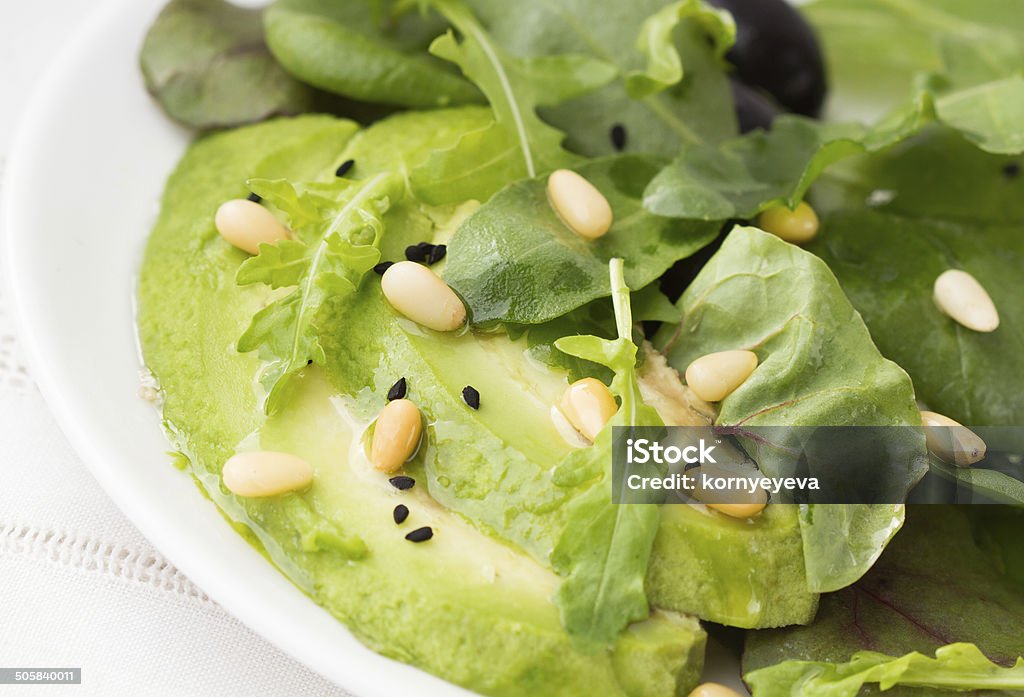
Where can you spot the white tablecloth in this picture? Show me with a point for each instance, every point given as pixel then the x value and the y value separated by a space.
pixel 79 586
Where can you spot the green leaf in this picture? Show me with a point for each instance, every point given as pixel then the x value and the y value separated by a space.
pixel 742 177
pixel 205 62
pixel 339 227
pixel 480 163
pixel 697 107
pixel 515 260
pixel 817 367
pixel 516 87
pixel 868 77
pixel 933 204
pixel 657 42
pixel 939 582
pixel 596 318
pixel 993 484
pixel 990 115
pixel 353 49
pixel 604 548
pixel 955 667
pixel 842 541
pixel 483 160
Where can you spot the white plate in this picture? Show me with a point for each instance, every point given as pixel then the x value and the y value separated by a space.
pixel 81 192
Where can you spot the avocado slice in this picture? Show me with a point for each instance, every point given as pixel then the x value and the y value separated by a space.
pixel 494 465
pixel 465 605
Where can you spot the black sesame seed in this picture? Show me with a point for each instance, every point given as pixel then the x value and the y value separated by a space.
pixel 618 135
pixel 380 268
pixel 1011 170
pixel 255 198
pixel 420 535
pixel 437 254
pixel 344 168
pixel 471 396
pixel 400 513
pixel 397 390
pixel 402 483
pixel 418 252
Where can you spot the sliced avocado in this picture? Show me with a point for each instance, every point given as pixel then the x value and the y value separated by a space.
pixel 462 605
pixel 494 464
pixel 741 573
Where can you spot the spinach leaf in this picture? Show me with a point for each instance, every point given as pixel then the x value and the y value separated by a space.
pixel 955 667
pixel 914 599
pixel 338 226
pixel 696 107
pixel 742 177
pixel 934 203
pixel 604 548
pixel 817 366
pixel 364 50
pixel 205 62
pixel 514 260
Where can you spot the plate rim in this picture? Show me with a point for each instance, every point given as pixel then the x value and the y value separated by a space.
pixel 384 676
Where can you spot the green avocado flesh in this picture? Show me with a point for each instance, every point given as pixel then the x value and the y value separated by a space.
pixel 473 604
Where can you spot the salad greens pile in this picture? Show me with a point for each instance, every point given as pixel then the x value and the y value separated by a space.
pixel 917 169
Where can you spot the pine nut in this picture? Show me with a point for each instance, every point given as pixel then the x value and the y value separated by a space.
pixel 798 226
pixel 395 435
pixel 713 689
pixel 715 376
pixel 419 294
pixel 246 224
pixel 588 405
pixel 265 473
pixel 951 441
pixel 959 295
pixel 740 503
pixel 738 510
pixel 579 204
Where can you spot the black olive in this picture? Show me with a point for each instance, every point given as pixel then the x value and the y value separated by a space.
pixel 753 109
pixel 674 281
pixel 777 51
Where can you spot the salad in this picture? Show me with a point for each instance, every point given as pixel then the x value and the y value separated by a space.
pixel 428 262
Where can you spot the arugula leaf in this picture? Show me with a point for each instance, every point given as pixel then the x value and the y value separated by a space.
pixel 664 65
pixel 205 62
pixel 362 50
pixel 514 260
pixel 913 599
pixel 818 367
pixel 338 226
pixel 596 318
pixel 955 667
pixel 934 203
pixel 484 159
pixel 516 87
pixel 605 547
